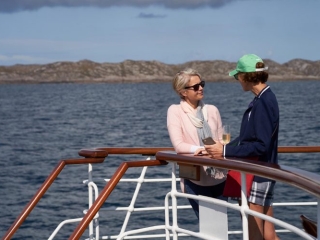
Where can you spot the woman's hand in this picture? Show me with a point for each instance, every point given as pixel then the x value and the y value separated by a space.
pixel 215 150
pixel 200 151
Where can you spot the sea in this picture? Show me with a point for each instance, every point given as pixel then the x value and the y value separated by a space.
pixel 41 124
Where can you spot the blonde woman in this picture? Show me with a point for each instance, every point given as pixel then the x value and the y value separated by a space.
pixel 188 123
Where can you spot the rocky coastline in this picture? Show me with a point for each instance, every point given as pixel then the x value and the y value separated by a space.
pixel 87 71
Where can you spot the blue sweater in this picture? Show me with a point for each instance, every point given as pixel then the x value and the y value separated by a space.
pixel 259 130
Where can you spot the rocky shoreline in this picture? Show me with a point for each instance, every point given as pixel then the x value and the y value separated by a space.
pixel 86 71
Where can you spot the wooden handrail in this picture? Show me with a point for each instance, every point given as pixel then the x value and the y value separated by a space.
pixel 298 149
pixel 307 181
pixel 154 150
pixel 130 150
pixel 45 186
pixel 107 190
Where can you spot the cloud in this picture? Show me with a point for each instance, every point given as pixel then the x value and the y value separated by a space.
pixel 10 6
pixel 150 15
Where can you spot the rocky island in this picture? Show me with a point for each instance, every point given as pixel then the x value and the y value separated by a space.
pixel 86 71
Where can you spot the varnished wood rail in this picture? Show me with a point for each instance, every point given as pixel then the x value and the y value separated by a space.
pixel 144 151
pixel 307 181
pixel 154 150
pixel 298 149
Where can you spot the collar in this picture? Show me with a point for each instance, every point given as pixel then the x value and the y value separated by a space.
pixel 256 97
pixel 262 91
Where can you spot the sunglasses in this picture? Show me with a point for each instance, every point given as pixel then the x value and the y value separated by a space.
pixel 236 76
pixel 196 86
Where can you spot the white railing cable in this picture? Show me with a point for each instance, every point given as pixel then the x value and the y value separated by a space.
pixel 281 224
pixel 54 233
pixel 134 198
pixel 90 192
pixel 96 218
pixel 278 222
pixel 140 230
pixel 176 231
pixel 244 207
pixel 145 236
pixel 173 231
pixel 318 218
pixel 144 180
pixel 61 224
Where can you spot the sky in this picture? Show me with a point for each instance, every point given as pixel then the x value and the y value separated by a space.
pixel 169 31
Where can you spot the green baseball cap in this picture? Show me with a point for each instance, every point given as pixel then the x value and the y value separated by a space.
pixel 247 63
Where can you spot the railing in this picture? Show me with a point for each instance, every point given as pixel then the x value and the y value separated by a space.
pixel 97 156
pixel 307 181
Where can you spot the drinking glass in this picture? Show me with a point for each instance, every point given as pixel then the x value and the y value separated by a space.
pixel 226 134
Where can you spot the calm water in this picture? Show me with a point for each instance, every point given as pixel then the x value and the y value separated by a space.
pixel 42 124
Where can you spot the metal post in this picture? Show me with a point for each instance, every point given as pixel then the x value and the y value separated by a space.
pixel 174 202
pixel 318 218
pixel 133 199
pixel 90 192
pixel 244 205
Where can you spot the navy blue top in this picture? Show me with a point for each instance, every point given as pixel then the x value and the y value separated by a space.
pixel 259 130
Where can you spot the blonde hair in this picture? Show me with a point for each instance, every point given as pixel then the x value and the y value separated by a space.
pixel 182 78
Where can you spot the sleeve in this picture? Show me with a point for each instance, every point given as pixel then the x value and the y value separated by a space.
pixel 174 125
pixel 234 142
pixel 257 141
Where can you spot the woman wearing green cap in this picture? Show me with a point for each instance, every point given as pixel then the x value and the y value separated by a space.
pixel 258 138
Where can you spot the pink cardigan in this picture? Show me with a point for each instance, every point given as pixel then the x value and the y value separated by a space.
pixel 184 137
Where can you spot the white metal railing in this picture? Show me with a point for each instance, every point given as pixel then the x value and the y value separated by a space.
pixel 174 230
pixel 307 181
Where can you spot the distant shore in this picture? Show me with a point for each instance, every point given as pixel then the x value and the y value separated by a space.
pixel 86 71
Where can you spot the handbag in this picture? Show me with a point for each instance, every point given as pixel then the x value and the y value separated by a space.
pixel 232 186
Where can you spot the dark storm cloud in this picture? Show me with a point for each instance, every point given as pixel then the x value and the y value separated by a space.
pixel 10 6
